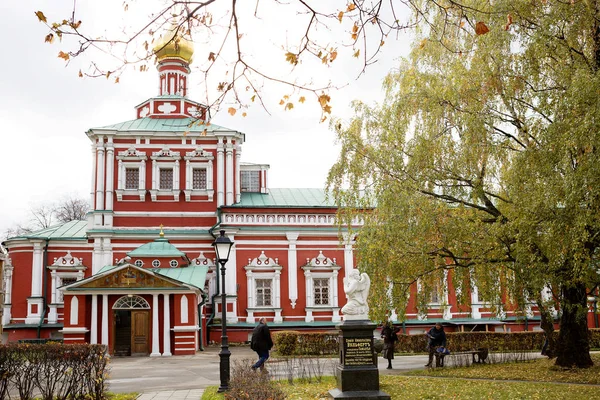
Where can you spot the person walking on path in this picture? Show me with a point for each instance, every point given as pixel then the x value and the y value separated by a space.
pixel 261 343
pixel 436 337
pixel 390 337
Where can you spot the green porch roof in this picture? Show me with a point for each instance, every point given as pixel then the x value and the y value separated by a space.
pixel 195 276
pixel 163 125
pixel 159 248
pixel 286 197
pixel 66 231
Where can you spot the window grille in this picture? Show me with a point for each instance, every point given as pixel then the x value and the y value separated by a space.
pixel 127 303
pixel 132 178
pixel 166 179
pixel 321 291
pixel 156 263
pixel 263 292
pixel 250 181
pixel 199 179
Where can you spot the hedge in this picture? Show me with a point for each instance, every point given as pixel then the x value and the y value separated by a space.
pixel 495 341
pixel 288 343
pixel 55 371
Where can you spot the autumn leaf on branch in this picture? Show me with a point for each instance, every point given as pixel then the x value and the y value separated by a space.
pixel 340 16
pixel 351 7
pixel 41 16
pixel 49 38
pixel 211 56
pixel 481 28
pixel 509 21
pixel 63 55
pixel 291 58
pixel 231 111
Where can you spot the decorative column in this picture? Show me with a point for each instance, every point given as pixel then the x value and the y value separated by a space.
pixel 110 172
pixel 231 281
pixel 94 321
pixel 35 301
pixel 277 284
pixel 238 175
pixel 8 273
pixel 292 238
pixel 105 319
pixel 229 171
pixel 100 175
pixel 155 339
pixel 348 255
pixel 309 296
pixel 334 293
pixel 93 182
pixel 220 172
pixel 167 327
pixel 52 312
pixel 475 304
pixel 97 258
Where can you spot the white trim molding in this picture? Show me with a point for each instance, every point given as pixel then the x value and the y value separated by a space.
pixel 131 158
pixel 198 159
pixel 165 159
pixel 263 268
pixel 321 267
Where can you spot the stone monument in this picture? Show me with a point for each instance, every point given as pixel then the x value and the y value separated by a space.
pixel 357 375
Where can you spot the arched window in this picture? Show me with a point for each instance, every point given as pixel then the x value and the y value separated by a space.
pixel 128 302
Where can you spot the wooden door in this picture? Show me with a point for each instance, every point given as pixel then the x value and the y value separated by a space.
pixel 139 332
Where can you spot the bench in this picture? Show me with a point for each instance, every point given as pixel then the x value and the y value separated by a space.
pixel 478 355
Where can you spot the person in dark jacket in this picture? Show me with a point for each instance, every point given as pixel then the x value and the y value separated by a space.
pixel 436 337
pixel 390 337
pixel 261 343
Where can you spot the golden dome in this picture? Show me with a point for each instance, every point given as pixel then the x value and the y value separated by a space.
pixel 174 44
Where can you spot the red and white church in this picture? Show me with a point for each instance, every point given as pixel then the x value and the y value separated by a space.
pixel 139 275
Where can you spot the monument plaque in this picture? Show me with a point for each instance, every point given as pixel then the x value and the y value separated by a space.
pixel 358 351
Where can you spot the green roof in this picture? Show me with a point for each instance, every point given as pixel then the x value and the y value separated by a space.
pixel 159 248
pixel 65 231
pixel 195 276
pixel 163 125
pixel 286 198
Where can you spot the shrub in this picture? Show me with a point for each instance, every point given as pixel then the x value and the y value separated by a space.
pixel 290 343
pixel 56 370
pixel 251 385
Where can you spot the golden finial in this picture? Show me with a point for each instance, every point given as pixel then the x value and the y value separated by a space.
pixel 161 234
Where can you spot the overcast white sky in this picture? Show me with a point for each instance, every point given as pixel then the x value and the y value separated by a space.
pixel 45 110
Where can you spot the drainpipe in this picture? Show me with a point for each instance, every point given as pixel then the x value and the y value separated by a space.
pixel 44 290
pixel 203 302
pixel 212 299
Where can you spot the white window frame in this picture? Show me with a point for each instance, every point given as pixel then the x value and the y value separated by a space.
pixel 329 280
pixel 324 268
pixel 131 158
pixel 165 159
pixel 138 263
pixel 254 171
pixel 173 263
pixel 157 262
pixel 264 277
pixel 263 267
pixel 198 159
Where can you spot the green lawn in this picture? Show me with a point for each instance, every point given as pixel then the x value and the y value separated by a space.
pixel 476 382
pixel 541 370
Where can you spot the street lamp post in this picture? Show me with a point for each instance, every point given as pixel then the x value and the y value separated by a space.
pixel 222 248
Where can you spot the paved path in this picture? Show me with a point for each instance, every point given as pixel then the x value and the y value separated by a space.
pixel 186 377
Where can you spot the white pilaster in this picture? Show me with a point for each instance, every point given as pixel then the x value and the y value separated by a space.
pixel 8 273
pixel 97 258
pixel 167 327
pixel 35 301
pixel 277 288
pixel 93 182
pixel 229 172
pixel 348 256
pixel 155 338
pixel 475 304
pixel 220 172
pixel 231 281
pixel 53 297
pixel 309 295
pixel 100 175
pixel 104 337
pixel 110 174
pixel 94 321
pixel 238 177
pixel 292 238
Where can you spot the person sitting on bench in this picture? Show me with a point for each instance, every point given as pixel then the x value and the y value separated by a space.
pixel 436 337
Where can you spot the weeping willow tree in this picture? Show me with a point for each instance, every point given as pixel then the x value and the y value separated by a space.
pixel 481 167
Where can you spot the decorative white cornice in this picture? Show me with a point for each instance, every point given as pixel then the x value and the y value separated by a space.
pixel 132 154
pixel 321 262
pixel 199 154
pixel 165 153
pixel 262 262
pixel 201 260
pixel 279 219
pixel 68 262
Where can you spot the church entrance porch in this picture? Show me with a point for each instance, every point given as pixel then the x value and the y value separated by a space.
pixel 131 326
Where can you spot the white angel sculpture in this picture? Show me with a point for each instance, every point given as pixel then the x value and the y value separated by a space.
pixel 356 286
